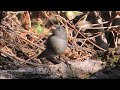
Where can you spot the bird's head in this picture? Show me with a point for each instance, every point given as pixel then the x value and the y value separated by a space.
pixel 59 31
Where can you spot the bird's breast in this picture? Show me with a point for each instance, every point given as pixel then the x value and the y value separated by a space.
pixel 58 45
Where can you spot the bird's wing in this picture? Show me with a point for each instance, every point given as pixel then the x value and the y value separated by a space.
pixel 49 43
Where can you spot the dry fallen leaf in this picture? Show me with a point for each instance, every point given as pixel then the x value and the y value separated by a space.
pixel 72 14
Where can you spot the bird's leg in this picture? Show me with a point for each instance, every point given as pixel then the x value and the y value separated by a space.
pixel 65 61
pixel 53 60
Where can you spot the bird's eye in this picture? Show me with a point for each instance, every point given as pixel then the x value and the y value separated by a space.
pixel 58 27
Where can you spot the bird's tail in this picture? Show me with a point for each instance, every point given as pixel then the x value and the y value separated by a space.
pixel 46 55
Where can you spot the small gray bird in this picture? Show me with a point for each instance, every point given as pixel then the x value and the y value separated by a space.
pixel 55 45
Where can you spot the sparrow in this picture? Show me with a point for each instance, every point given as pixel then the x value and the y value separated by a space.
pixel 56 44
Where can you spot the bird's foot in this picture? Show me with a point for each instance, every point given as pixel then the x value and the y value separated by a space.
pixel 66 62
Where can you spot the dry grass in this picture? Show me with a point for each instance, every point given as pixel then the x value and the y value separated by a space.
pixel 23 45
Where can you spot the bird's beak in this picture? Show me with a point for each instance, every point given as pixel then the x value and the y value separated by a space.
pixel 49 33
pixel 53 27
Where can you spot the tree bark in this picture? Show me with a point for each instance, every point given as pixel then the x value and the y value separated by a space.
pixel 76 69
